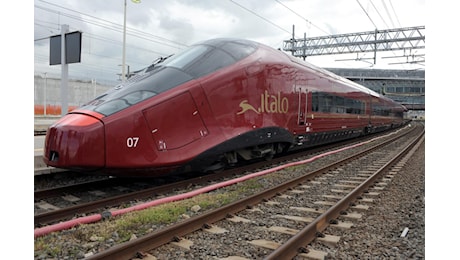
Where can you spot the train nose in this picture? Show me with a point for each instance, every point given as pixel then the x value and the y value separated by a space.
pixel 76 141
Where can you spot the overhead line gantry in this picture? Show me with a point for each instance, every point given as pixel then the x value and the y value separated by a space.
pixel 407 39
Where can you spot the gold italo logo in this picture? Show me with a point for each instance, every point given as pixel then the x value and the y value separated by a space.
pixel 268 104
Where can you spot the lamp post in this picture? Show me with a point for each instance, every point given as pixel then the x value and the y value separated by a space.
pixel 123 65
pixel 124 47
pixel 64 72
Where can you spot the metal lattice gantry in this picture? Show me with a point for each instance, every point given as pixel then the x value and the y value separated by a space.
pixel 408 38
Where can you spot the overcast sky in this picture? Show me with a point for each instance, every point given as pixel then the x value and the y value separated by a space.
pixel 159 28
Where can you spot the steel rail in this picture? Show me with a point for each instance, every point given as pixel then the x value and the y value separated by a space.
pixel 156 239
pixel 55 215
pixel 53 192
pixel 298 242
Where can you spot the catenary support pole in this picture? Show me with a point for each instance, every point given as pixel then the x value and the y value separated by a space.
pixel 64 72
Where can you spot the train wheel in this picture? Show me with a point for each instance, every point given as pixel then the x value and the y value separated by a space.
pixel 269 156
pixel 367 130
pixel 231 158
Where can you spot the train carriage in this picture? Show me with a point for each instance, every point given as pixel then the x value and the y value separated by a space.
pixel 217 103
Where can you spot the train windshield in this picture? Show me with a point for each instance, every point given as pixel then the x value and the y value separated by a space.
pixel 202 59
pixel 194 62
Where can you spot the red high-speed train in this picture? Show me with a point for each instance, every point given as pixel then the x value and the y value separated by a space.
pixel 216 103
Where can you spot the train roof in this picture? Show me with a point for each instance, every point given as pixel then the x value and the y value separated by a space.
pixel 333 76
pixel 223 42
pixel 194 62
pixel 241 48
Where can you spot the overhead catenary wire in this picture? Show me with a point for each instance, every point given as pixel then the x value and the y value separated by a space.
pixel 375 26
pixel 388 13
pixel 308 21
pixel 377 10
pixel 396 15
pixel 111 25
pixel 367 14
pixel 261 17
pixel 51 27
pixel 383 20
pixel 60 13
pixel 90 36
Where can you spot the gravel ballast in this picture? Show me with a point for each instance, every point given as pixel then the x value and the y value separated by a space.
pixel 401 205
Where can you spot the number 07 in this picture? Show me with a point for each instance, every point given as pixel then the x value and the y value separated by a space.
pixel 132 141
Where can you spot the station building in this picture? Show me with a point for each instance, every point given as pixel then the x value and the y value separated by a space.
pixel 406 87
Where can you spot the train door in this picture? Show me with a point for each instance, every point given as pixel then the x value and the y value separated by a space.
pixel 302 95
pixel 176 122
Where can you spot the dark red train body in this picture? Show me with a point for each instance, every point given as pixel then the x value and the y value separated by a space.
pixel 217 103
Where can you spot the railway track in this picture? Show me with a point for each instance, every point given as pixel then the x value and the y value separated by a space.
pixel 285 222
pixel 66 202
pixel 126 191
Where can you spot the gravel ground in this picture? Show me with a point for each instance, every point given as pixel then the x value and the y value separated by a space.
pixel 400 205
